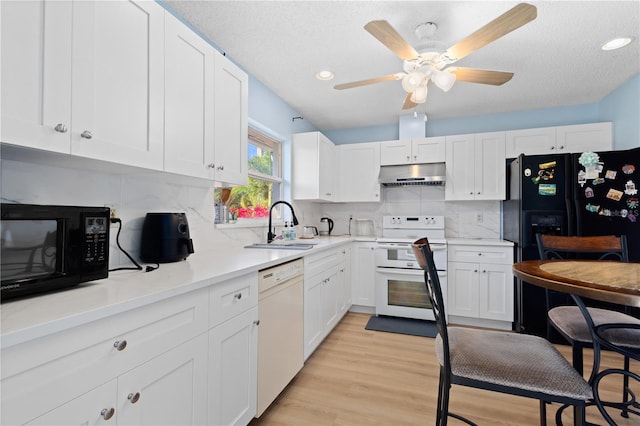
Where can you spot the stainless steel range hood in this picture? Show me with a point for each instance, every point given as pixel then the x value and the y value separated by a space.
pixel 412 174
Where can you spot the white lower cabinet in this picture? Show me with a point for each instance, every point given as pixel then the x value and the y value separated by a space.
pixel 233 360
pixel 480 285
pixel 325 288
pixel 344 281
pixel 363 273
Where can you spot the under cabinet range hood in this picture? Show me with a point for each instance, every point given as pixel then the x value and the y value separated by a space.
pixel 412 174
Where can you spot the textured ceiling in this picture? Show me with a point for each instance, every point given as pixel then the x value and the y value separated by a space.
pixel 556 58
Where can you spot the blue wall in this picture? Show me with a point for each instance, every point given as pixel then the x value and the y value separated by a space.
pixel 622 107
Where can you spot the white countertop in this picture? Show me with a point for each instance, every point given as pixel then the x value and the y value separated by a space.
pixel 34 317
pixel 479 242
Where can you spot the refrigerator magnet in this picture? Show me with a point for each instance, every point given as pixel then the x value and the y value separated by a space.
pixel 627 169
pixel 591 208
pixel 632 203
pixel 548 189
pixel 630 188
pixel 597 181
pixel 614 194
pixel 611 174
pixel 588 192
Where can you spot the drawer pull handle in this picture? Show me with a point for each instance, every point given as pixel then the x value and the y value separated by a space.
pixel 60 128
pixel 133 397
pixel 237 296
pixel 86 135
pixel 120 345
pixel 107 413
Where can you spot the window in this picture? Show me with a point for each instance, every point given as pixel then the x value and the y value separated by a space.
pixel 264 184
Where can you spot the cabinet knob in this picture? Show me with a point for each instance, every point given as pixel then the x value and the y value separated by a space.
pixel 553 147
pixel 120 344
pixel 561 147
pixel 408 158
pixel 211 165
pixel 479 254
pixel 256 322
pixel 484 271
pixel 60 128
pixel 471 193
pixel 475 270
pixel 133 397
pixel 107 413
pixel 86 134
pixel 220 168
pixel 237 296
pixel 478 192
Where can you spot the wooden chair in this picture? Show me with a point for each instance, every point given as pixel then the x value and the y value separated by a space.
pixel 511 363
pixel 569 320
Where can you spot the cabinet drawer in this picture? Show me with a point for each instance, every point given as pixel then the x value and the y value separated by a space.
pixel 320 262
pixel 52 370
pixel 232 298
pixel 483 254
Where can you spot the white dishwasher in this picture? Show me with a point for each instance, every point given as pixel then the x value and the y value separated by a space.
pixel 280 335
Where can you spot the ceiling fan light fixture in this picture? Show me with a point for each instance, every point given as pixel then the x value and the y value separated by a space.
pixel 419 95
pixel 443 79
pixel 616 43
pixel 412 81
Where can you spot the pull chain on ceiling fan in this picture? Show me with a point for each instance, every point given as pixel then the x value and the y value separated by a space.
pixel 434 65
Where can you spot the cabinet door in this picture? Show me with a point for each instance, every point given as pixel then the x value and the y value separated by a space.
pixel 233 370
pixel 463 282
pixel 490 172
pixel 327 182
pixel 585 137
pixel 118 82
pixel 359 170
pixel 231 121
pixel 97 407
pixel 461 164
pixel 344 282
pixel 313 310
pixel 169 389
pixel 530 142
pixel 395 152
pixel 36 74
pixel 330 296
pixel 428 150
pixel 496 292
pixel 363 276
pixel 188 124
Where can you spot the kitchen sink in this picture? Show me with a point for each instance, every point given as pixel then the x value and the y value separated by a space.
pixel 281 246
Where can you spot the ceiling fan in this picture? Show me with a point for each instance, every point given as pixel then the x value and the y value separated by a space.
pixel 420 68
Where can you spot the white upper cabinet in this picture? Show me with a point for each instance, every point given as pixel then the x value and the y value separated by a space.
pixel 117 94
pixel 189 101
pixel 36 74
pixel 231 111
pixel 560 140
pixel 313 167
pixel 412 151
pixel 359 170
pixel 476 167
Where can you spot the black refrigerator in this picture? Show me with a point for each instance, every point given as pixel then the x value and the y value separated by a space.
pixel 568 194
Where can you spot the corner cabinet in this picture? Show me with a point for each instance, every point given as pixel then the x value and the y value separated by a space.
pixel 560 140
pixel 412 151
pixel 480 284
pixel 313 167
pixel 476 167
pixel 359 171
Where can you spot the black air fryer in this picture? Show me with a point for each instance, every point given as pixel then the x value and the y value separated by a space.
pixel 165 238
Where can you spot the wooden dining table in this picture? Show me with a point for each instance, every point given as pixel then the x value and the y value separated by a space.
pixel 608 281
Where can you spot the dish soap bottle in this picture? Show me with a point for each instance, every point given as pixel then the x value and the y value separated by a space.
pixel 292 232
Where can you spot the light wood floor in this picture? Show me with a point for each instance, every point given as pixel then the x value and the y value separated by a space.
pixel 362 377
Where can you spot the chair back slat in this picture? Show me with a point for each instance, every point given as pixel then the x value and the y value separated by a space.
pixel 562 247
pixel 424 256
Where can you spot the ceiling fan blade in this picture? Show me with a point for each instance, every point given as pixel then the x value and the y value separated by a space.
pixel 389 77
pixel 502 25
pixel 388 36
pixel 408 103
pixel 472 75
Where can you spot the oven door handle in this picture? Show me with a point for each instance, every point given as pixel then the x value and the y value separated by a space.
pixel 396 246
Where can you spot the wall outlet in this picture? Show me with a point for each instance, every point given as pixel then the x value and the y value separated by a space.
pixel 478 217
pixel 114 210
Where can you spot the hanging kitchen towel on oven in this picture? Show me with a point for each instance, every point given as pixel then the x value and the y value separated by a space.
pixel 414 327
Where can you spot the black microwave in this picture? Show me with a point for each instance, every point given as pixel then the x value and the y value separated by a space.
pixel 46 248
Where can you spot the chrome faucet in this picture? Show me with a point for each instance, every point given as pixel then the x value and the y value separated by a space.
pixel 272 235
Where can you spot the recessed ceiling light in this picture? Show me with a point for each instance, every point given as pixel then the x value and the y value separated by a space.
pixel 324 75
pixel 616 43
